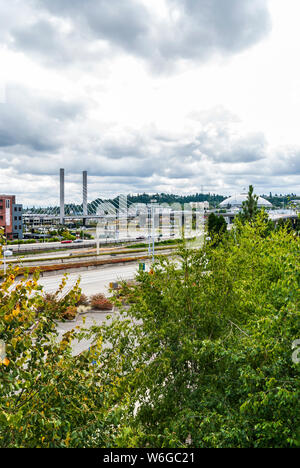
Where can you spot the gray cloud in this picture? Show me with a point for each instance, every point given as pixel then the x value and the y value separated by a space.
pixel 194 30
pixel 34 122
pixel 285 162
pixel 226 149
pixel 40 133
pixel 229 25
pixel 44 38
pixel 135 156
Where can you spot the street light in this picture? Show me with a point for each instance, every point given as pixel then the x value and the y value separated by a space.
pixel 6 253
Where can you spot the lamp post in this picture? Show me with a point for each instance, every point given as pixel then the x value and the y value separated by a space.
pixel 6 253
pixel 97 240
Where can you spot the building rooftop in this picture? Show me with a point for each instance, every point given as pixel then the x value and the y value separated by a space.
pixel 238 199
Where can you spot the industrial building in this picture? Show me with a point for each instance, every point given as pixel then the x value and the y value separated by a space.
pixel 11 217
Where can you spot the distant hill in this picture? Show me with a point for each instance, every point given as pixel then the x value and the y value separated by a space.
pixel 281 201
pixel 278 201
pixel 145 198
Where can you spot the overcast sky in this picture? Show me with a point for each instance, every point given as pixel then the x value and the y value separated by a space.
pixel 149 95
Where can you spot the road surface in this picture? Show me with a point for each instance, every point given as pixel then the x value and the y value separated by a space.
pixel 90 319
pixel 93 281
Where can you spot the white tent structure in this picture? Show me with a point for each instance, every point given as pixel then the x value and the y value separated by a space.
pixel 237 200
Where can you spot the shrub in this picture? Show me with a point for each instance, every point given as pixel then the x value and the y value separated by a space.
pixel 59 308
pixel 125 292
pixel 70 313
pixel 100 302
pixel 50 303
pixel 83 301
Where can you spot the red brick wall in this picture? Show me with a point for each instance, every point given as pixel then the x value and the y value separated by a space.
pixel 7 213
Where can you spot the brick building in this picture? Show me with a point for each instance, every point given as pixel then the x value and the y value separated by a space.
pixel 11 217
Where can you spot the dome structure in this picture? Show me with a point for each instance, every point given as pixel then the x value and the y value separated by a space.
pixel 237 200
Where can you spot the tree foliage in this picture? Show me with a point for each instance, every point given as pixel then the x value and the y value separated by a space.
pixel 249 207
pixel 200 355
pixel 207 350
pixel 216 225
pixel 48 397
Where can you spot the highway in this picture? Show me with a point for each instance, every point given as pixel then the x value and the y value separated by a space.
pixel 65 261
pixel 94 281
pixel 73 245
pixel 76 256
pixel 42 246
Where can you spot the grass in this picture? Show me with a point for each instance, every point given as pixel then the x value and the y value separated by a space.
pixel 165 242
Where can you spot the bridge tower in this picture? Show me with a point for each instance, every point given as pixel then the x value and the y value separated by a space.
pixel 84 197
pixel 62 196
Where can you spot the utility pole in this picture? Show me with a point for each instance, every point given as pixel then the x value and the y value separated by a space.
pixel 84 198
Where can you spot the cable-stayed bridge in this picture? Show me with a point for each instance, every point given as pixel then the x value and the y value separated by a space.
pixel 96 209
pixel 119 207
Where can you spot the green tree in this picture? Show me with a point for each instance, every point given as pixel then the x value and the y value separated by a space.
pixel 249 207
pixel 206 346
pixel 216 225
pixel 48 397
pixel 200 354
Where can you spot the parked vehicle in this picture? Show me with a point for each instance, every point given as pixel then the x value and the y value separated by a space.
pixel 8 253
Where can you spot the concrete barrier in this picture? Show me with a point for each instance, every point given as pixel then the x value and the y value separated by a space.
pixel 84 267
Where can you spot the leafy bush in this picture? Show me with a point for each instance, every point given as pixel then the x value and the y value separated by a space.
pixel 60 306
pixel 99 302
pixel 83 301
pixel 125 292
pixel 70 313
